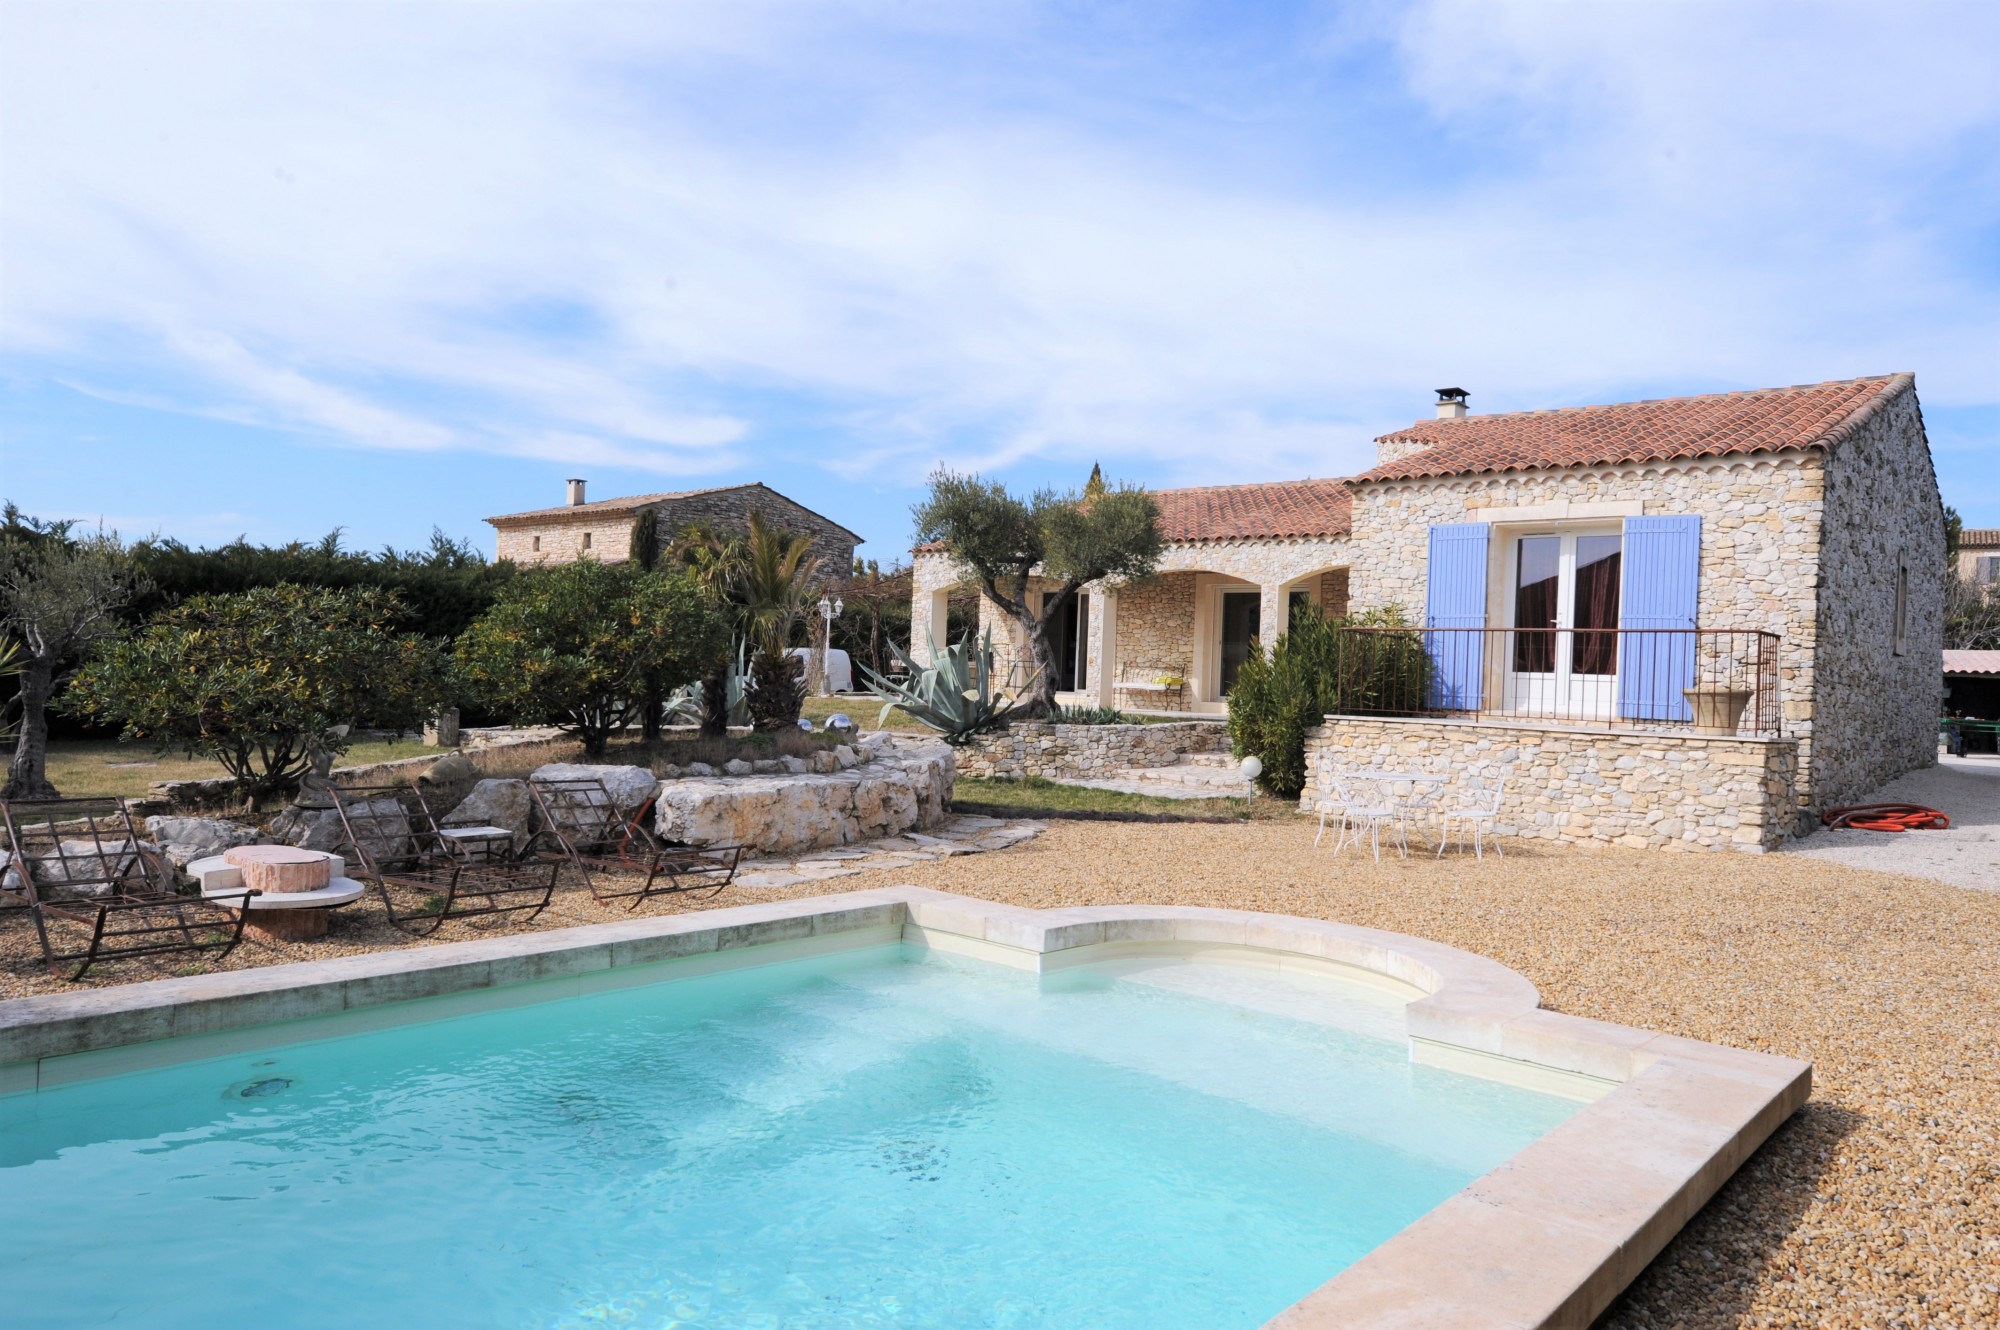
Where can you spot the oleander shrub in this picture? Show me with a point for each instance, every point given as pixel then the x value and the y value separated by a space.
pixel 1319 667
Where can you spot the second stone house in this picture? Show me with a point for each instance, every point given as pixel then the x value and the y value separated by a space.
pixel 612 530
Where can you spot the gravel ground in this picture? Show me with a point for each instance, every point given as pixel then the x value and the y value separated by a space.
pixel 1967 855
pixel 1878 1205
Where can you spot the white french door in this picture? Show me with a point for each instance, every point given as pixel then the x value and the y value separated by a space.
pixel 1562 604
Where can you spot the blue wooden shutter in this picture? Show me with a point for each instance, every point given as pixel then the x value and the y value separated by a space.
pixel 1662 580
pixel 1455 597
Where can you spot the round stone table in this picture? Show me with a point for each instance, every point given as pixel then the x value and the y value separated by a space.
pixel 287 916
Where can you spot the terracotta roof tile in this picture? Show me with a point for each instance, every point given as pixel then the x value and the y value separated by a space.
pixel 1280 509
pixel 1978 537
pixel 1972 662
pixel 1275 510
pixel 1716 425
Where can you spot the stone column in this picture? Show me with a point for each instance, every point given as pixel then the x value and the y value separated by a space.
pixel 1103 648
pixel 932 621
pixel 1271 614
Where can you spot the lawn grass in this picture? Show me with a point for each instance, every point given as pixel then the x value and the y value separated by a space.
pixel 865 712
pixel 1035 797
pixel 99 768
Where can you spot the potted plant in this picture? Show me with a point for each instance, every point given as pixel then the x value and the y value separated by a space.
pixel 1719 700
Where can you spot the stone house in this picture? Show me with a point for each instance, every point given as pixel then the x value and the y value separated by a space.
pixel 609 529
pixel 1694 621
pixel 1979 555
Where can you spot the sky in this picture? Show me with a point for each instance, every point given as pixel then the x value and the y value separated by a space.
pixel 269 269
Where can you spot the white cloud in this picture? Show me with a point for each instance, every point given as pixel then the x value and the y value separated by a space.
pixel 329 218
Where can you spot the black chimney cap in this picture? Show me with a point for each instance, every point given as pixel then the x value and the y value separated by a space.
pixel 1452 394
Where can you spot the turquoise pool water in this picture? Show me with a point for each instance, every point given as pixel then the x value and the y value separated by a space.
pixel 885 1138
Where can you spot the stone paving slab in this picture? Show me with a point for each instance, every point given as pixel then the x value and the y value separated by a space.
pixel 959 835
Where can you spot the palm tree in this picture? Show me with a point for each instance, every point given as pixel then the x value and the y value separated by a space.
pixel 766 577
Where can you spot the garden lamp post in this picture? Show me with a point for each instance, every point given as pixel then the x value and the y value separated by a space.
pixel 829 610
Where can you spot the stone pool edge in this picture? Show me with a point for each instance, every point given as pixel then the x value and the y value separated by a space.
pixel 1547 1239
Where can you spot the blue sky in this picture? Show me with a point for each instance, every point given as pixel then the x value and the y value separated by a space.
pixel 275 268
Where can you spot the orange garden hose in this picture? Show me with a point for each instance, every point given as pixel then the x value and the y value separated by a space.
pixel 1886 817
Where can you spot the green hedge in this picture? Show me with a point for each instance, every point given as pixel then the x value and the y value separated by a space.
pixel 1315 669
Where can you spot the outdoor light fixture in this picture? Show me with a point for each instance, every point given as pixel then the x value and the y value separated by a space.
pixel 829 610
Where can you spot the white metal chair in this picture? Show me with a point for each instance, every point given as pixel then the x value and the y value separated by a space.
pixel 1482 817
pixel 1357 812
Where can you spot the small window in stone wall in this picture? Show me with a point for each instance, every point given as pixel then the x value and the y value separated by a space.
pixel 536 544
pixel 1902 606
pixel 586 540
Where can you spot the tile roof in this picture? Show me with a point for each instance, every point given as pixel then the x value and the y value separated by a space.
pixel 1279 509
pixel 1978 537
pixel 1972 662
pixel 1273 510
pixel 634 502
pixel 1813 415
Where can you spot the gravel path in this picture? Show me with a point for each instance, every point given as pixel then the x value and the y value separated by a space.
pixel 1967 855
pixel 1876 1206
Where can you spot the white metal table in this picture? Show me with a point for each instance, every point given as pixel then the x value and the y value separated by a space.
pixel 1424 787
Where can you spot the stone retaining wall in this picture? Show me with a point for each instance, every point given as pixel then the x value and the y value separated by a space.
pixel 1630 788
pixel 906 786
pixel 1068 752
pixel 491 752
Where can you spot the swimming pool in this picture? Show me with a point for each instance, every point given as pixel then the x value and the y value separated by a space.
pixel 881 1137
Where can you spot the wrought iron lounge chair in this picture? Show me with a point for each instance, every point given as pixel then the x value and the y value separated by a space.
pixel 424 876
pixel 618 857
pixel 99 893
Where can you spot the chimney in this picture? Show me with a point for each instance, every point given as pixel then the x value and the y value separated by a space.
pixel 576 486
pixel 1451 403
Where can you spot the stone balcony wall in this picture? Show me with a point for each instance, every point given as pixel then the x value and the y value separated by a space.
pixel 1639 789
pixel 1071 752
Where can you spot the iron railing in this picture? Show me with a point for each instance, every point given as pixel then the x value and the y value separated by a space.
pixel 1712 680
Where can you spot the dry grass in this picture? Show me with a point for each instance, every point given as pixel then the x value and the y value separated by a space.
pixel 100 768
pixel 1877 1206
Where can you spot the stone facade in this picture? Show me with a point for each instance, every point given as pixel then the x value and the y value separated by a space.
pixel 603 530
pixel 1085 752
pixel 1643 790
pixel 606 537
pixel 1878 686
pixel 1156 636
pixel 1807 544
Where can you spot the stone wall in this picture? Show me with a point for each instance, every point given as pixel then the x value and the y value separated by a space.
pixel 1070 752
pixel 728 512
pixel 562 539
pixel 906 787
pixel 1333 592
pixel 1593 787
pixel 1156 631
pixel 1874 708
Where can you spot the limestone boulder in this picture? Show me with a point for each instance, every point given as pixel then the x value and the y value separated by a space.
pixel 630 787
pixel 495 803
pixel 182 840
pixel 792 813
pixel 736 766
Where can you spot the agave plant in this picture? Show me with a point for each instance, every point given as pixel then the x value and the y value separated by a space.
pixel 953 695
pixel 685 702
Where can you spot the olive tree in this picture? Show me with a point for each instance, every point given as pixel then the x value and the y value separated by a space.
pixel 1065 539
pixel 581 645
pixel 60 597
pixel 263 680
